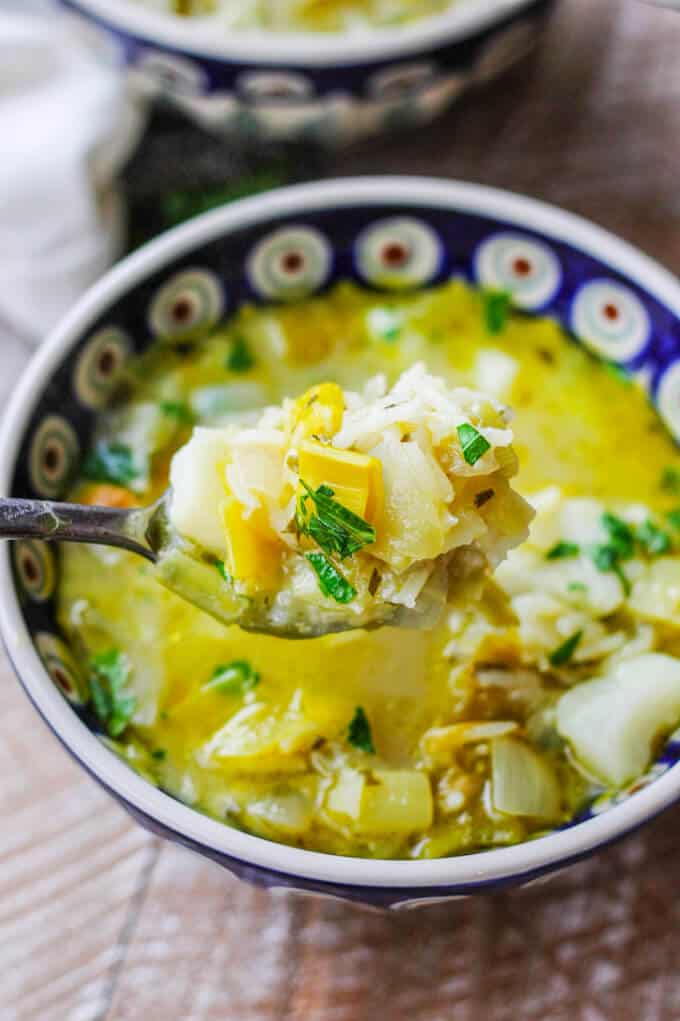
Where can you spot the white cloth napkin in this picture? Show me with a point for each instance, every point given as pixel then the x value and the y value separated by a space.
pixel 66 125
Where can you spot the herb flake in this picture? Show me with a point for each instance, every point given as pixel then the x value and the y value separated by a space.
pixel 113 703
pixel 561 550
pixel 235 678
pixel 474 445
pixel 359 732
pixel 334 528
pixel 331 582
pixel 109 462
pixel 179 411
pixel 240 358
pixel 564 652
pixel 496 310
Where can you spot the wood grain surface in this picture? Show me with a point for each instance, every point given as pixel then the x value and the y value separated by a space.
pixel 101 922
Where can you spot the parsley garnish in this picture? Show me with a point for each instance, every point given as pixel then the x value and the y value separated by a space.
pixel 577 586
pixel 331 582
pixel 621 546
pixel 240 358
pixel 233 678
pixel 606 559
pixel 670 480
pixel 496 310
pixel 359 732
pixel 621 537
pixel 674 518
pixel 222 571
pixel 159 754
pixel 113 703
pixel 561 550
pixel 652 539
pixel 473 443
pixel 179 410
pixel 563 653
pixel 334 528
pixel 109 462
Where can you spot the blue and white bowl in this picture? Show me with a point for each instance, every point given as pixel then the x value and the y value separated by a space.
pixel 332 88
pixel 387 232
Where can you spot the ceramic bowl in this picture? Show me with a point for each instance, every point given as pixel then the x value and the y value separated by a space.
pixel 616 301
pixel 330 88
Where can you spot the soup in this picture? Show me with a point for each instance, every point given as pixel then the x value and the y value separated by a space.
pixel 303 15
pixel 550 683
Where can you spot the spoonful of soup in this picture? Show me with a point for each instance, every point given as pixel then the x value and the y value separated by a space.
pixel 333 511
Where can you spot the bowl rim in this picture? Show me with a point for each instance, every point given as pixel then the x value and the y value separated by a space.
pixel 476 869
pixel 307 49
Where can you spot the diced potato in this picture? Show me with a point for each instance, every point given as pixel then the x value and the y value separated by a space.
pixel 197 477
pixel 318 412
pixel 256 465
pixel 386 801
pixel 356 479
pixel 656 595
pixel 259 740
pixel 285 811
pixel 400 801
pixel 251 556
pixel 415 501
pixel 612 722
pixel 344 797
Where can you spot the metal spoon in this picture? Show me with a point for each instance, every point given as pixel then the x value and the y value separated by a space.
pixel 148 532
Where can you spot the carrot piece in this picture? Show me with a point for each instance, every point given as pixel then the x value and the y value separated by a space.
pixel 107 495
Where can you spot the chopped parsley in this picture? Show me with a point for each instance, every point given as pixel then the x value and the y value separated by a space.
pixel 473 443
pixel 334 528
pixel 222 571
pixel 240 358
pixel 621 537
pixel 563 653
pixel 607 559
pixel 113 703
pixel 673 518
pixel 109 462
pixel 178 410
pixel 496 310
pixel 653 539
pixel 670 480
pixel 233 678
pixel 359 732
pixel 159 754
pixel 331 582
pixel 577 586
pixel 561 550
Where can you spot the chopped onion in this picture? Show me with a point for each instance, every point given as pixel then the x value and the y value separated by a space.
pixel 523 783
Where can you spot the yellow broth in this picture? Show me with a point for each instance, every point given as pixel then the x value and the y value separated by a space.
pixel 577 425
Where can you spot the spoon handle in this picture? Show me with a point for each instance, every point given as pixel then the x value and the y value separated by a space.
pixel 73 522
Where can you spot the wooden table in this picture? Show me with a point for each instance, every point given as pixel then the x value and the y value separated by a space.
pixel 101 922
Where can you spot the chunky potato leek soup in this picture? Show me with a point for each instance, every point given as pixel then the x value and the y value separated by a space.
pixel 535 687
pixel 303 15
